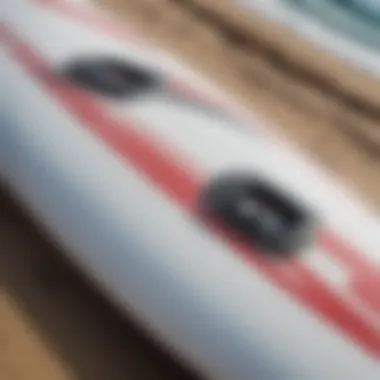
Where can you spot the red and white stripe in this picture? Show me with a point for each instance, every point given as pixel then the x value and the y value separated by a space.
pixel 352 306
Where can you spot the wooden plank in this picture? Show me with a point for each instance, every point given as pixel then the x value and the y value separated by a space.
pixel 53 326
pixel 338 132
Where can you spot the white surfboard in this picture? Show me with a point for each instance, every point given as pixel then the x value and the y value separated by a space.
pixel 230 246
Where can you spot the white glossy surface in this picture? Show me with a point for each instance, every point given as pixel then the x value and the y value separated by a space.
pixel 194 293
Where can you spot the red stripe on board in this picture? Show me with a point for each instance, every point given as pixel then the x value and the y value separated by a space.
pixel 346 255
pixel 100 22
pixel 89 16
pixel 179 183
pixel 368 288
pixel 365 278
pixel 330 244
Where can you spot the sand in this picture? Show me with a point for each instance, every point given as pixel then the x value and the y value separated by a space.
pixel 53 325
